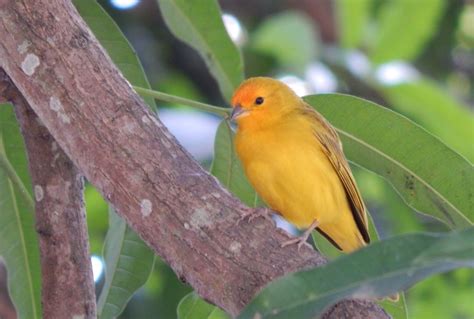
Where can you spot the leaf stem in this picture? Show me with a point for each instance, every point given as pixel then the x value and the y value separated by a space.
pixel 16 181
pixel 180 100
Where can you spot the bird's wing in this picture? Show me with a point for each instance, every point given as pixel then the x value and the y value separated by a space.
pixel 329 139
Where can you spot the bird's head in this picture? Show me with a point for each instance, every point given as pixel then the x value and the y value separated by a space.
pixel 260 100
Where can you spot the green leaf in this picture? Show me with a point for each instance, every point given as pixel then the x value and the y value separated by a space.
pixel 446 296
pixel 427 104
pixel 378 270
pixel 228 169
pixel 427 174
pixel 129 263
pixel 352 18
pixel 290 38
pixel 115 43
pixel 199 24
pixel 191 306
pixel 377 192
pixel 18 240
pixel 14 145
pixel 97 218
pixel 403 28
pixel 396 309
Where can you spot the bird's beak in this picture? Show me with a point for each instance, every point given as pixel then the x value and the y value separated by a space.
pixel 236 112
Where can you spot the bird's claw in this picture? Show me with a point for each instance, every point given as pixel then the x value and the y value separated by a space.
pixel 252 214
pixel 300 241
pixel 392 298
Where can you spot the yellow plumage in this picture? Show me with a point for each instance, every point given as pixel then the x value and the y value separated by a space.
pixel 294 160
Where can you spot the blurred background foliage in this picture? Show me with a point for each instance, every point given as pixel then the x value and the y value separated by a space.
pixel 416 57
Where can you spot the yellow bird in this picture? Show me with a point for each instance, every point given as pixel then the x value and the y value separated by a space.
pixel 293 158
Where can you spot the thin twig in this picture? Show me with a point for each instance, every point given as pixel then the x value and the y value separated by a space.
pixel 181 100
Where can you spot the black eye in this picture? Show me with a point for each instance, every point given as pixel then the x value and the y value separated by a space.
pixel 259 100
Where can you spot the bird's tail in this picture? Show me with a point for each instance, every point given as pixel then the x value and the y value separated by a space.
pixel 343 234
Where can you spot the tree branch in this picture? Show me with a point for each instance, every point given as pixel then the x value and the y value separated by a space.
pixel 67 283
pixel 164 195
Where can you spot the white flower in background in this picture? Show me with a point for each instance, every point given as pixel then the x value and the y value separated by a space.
pixel 320 78
pixel 297 84
pixel 124 4
pixel 195 131
pixel 234 29
pixel 396 72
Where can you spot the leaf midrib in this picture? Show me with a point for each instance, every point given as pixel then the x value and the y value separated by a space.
pixel 403 167
pixel 190 309
pixel 363 281
pixel 114 272
pixel 24 249
pixel 21 233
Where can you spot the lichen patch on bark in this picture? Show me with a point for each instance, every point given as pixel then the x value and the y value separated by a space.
pixel 30 63
pixel 56 105
pixel 200 218
pixel 39 193
pixel 146 207
pixel 23 47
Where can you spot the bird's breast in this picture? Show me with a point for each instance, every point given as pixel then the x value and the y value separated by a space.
pixel 291 173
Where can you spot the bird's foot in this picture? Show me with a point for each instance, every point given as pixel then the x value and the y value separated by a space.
pixel 392 298
pixel 251 214
pixel 301 240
